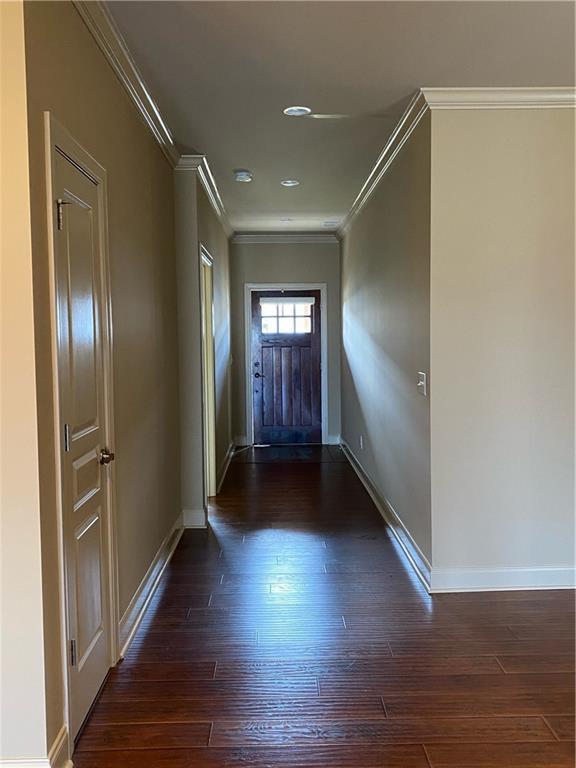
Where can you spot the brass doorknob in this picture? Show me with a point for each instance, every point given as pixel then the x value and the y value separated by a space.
pixel 106 456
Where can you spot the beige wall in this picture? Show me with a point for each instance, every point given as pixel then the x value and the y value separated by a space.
pixel 385 299
pixel 213 237
pixel 502 338
pixel 22 706
pixel 68 75
pixel 465 253
pixel 285 263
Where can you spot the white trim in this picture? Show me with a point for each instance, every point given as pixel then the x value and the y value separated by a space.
pixel 137 607
pixel 500 98
pixel 224 467
pixel 207 363
pixel 499 579
pixel 195 518
pixel 459 579
pixel 59 754
pixel 429 99
pixel 248 289
pixel 205 257
pixel 308 301
pixel 199 164
pixel 414 554
pixel 414 112
pixel 57 138
pixel 284 237
pixel 333 440
pixel 110 41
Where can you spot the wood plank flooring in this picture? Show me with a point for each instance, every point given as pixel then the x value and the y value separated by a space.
pixel 293 634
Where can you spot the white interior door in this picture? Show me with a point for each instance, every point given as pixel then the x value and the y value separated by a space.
pixel 85 470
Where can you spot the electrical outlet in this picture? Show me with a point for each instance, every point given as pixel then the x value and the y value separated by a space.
pixel 361 442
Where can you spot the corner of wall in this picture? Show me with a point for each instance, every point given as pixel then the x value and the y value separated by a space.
pixel 59 754
pixel 195 518
pixel 23 708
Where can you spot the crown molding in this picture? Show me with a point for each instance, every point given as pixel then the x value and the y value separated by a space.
pixel 189 162
pixel 413 113
pixel 252 238
pixel 430 99
pixel 110 41
pixel 199 164
pixel 500 98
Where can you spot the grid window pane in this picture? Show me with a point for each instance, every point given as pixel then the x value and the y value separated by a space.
pixel 280 317
pixel 303 325
pixel 269 325
pixel 269 310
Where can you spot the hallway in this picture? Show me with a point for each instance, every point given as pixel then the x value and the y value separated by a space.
pixel 294 633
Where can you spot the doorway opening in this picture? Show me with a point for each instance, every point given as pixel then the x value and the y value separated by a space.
pixel 208 373
pixel 286 387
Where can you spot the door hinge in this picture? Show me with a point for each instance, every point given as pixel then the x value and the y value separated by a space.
pixel 72 653
pixel 59 212
pixel 66 438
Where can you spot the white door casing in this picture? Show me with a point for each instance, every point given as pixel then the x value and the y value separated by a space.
pixel 208 372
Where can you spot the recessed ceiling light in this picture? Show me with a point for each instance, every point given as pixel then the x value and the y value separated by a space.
pixel 290 182
pixel 297 111
pixel 243 175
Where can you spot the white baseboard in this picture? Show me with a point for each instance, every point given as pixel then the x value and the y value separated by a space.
pixel 195 518
pixel 224 467
pixel 499 579
pixel 133 614
pixel 59 754
pixel 334 440
pixel 415 556
pixel 460 579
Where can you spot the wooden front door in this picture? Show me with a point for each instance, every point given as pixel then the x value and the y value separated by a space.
pixel 285 367
pixel 84 454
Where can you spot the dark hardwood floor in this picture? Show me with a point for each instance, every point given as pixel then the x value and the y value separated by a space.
pixel 293 634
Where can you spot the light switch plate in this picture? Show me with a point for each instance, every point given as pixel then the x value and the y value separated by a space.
pixel 422 384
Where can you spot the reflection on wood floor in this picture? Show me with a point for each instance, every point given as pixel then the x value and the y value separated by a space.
pixel 294 634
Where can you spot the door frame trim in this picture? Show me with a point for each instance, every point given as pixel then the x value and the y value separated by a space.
pixel 58 140
pixel 249 288
pixel 208 408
